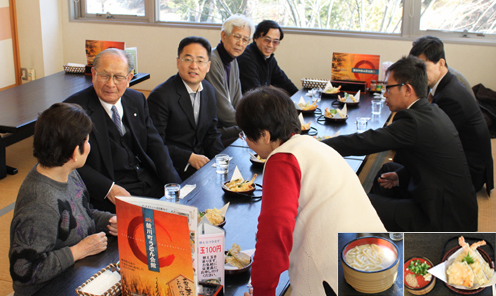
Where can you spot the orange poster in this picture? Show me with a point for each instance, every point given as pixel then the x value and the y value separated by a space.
pixel 355 67
pixel 155 251
pixel 93 47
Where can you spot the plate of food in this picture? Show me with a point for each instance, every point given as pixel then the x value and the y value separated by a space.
pixel 256 159
pixel 240 186
pixel 331 90
pixel 306 107
pixel 335 115
pixel 214 216
pixel 237 261
pixel 350 100
pixel 469 269
pixel 417 279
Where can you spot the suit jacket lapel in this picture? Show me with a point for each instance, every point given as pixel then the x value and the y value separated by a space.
pixel 185 100
pixel 442 84
pixel 100 139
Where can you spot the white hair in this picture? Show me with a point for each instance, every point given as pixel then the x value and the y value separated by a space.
pixel 239 21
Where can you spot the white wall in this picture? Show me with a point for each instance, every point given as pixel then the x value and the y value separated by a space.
pixel 300 55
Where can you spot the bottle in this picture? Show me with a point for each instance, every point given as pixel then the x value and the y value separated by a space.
pixel 373 85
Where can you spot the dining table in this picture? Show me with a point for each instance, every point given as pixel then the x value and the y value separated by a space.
pixel 243 211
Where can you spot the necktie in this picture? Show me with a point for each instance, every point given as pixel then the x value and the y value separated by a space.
pixel 116 119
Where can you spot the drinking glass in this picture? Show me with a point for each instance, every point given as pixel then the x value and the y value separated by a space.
pixel 396 236
pixel 222 163
pixel 316 94
pixel 376 106
pixel 361 124
pixel 172 191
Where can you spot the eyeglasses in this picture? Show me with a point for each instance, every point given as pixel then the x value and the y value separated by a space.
pixel 393 85
pixel 242 136
pixel 189 61
pixel 238 38
pixel 268 41
pixel 118 79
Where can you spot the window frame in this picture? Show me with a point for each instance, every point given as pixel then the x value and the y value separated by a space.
pixel 410 25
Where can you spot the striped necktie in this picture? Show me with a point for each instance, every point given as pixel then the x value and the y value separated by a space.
pixel 116 119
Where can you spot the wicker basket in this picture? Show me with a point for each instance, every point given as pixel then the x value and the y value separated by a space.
pixel 113 291
pixel 313 83
pixel 74 70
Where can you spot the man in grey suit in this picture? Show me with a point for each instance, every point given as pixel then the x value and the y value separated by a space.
pixel 224 73
pixel 431 189
pixel 183 109
pixel 127 154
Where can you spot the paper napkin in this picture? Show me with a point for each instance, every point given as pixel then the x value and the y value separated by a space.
pixel 186 190
pixel 439 271
pixel 236 174
pixel 300 117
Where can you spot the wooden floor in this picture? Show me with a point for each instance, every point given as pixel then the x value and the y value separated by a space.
pixel 20 156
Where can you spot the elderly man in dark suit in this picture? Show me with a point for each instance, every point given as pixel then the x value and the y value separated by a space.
pixel 183 109
pixel 431 189
pixel 457 102
pixel 127 154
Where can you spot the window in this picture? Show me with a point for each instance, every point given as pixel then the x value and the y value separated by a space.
pixel 112 9
pixel 364 16
pixel 443 18
pixel 477 16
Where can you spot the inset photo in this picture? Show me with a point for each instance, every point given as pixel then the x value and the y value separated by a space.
pixel 370 263
pixel 449 263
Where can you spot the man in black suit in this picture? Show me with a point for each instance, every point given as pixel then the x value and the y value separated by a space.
pixel 431 190
pixel 127 156
pixel 457 102
pixel 183 109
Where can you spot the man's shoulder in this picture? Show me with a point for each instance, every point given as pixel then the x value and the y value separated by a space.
pixel 248 56
pixel 166 86
pixel 82 96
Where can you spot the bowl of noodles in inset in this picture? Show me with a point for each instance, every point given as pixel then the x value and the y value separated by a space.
pixel 370 264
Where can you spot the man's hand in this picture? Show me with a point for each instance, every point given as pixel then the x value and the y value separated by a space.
pixel 250 293
pixel 113 226
pixel 117 191
pixel 197 161
pixel 90 245
pixel 389 180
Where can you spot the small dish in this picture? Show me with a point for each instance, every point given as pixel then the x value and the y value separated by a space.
pixel 467 292
pixel 335 119
pixel 424 286
pixel 311 131
pixel 202 214
pixel 226 190
pixel 229 269
pixel 257 161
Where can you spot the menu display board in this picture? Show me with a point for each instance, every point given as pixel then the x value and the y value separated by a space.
pixel 355 67
pixel 157 247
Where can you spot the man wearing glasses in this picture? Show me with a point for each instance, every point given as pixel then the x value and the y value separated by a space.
pixel 127 155
pixel 224 73
pixel 431 190
pixel 258 66
pixel 184 111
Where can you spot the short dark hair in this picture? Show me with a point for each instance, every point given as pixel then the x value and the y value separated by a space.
pixel 264 27
pixel 58 131
pixel 411 70
pixel 432 47
pixel 268 108
pixel 194 39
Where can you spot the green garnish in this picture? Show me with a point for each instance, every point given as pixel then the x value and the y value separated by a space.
pixel 468 259
pixel 333 111
pixel 418 268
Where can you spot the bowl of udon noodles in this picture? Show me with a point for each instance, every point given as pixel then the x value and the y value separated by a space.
pixel 370 264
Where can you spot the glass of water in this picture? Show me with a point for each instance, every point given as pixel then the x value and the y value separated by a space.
pixel 316 94
pixel 172 191
pixel 222 163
